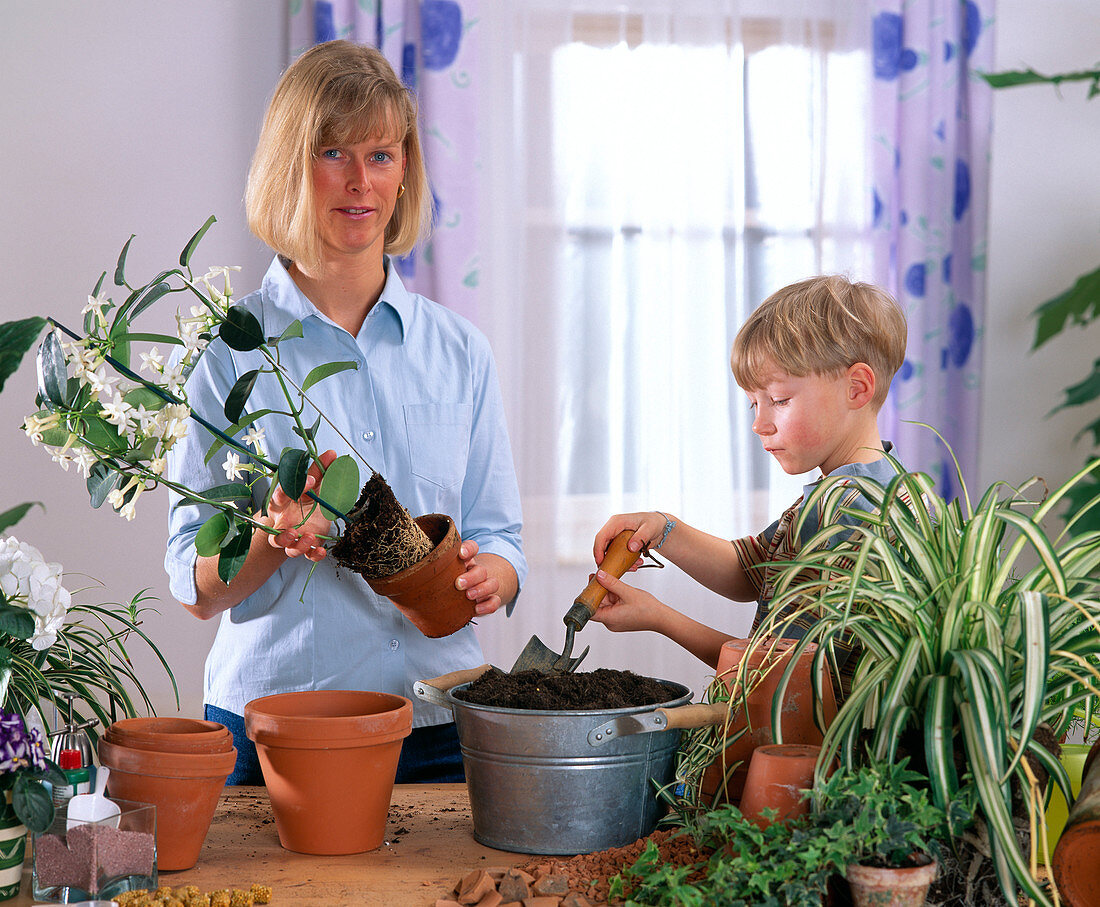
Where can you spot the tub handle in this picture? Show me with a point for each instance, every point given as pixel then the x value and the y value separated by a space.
pixel 699 714
pixel 435 690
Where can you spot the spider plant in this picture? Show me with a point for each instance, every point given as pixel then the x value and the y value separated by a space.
pixel 975 627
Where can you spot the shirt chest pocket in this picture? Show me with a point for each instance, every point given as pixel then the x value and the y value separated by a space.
pixel 439 440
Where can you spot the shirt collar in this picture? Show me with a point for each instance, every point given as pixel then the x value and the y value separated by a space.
pixel 291 304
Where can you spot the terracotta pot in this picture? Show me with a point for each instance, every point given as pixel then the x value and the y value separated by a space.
pixel 184 787
pixel 873 886
pixel 778 773
pixel 329 759
pixel 170 735
pixel 724 779
pixel 425 592
pixel 1076 862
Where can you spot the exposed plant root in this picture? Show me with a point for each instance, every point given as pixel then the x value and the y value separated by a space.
pixel 381 538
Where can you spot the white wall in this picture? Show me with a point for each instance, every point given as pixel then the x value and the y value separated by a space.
pixel 1044 233
pixel 140 117
pixel 118 118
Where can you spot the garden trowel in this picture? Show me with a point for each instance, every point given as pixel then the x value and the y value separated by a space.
pixel 536 655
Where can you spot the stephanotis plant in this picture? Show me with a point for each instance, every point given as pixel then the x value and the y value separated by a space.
pixel 113 402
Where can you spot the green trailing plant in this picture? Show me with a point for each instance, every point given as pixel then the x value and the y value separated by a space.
pixel 976 630
pixel 1077 306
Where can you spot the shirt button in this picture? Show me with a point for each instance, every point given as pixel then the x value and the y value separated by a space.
pixel 394 645
pixel 368 436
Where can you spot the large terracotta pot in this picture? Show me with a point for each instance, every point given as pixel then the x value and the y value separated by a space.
pixel 425 592
pixel 751 727
pixel 877 887
pixel 1076 862
pixel 329 759
pixel 184 787
pixel 778 774
pixel 170 735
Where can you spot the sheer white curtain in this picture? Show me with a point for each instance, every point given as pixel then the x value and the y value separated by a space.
pixel 656 170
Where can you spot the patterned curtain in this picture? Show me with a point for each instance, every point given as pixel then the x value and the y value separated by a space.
pixel 432 44
pixel 931 138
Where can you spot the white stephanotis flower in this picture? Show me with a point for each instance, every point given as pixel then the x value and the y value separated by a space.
pixel 255 437
pixel 157 465
pixel 116 498
pixel 96 303
pixel 213 273
pixel 35 425
pixel 152 362
pixel 84 460
pixel 232 467
pixel 117 412
pixel 102 384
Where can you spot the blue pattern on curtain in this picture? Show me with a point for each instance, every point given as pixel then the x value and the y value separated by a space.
pixel 432 44
pixel 931 140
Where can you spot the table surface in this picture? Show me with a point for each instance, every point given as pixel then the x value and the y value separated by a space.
pixel 429 846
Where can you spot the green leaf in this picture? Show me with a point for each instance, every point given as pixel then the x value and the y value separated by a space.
pixel 1079 305
pixel 307 433
pixel 208 540
pixel 143 396
pixel 146 337
pixel 15 514
pixel 16 337
pixel 16 621
pixel 231 491
pixel 234 553
pixel 340 486
pixel 293 469
pixel 32 804
pixel 120 268
pixel 323 371
pixel 150 296
pixel 120 346
pixel 240 330
pixel 189 249
pixel 99 434
pixel 1084 391
pixel 53 376
pixel 238 395
pixel 294 329
pixel 102 480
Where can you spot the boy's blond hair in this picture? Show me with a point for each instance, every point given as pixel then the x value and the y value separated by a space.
pixel 821 326
pixel 335 93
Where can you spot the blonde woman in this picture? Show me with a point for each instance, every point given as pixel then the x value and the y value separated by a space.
pixel 337 186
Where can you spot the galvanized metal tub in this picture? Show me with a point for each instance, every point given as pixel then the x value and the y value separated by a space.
pixel 538 784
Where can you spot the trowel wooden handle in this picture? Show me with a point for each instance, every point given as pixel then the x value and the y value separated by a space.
pixel 616 561
pixel 700 714
pixel 447 681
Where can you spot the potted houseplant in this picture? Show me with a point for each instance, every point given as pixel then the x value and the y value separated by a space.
pixel 893 829
pixel 972 659
pixel 97 411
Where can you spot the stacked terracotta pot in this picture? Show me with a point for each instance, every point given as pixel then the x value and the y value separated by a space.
pixel 177 764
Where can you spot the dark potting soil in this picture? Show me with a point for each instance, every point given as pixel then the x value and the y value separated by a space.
pixel 592 690
pixel 381 538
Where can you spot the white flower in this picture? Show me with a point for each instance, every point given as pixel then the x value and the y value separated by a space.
pixel 153 362
pixel 144 418
pixel 215 272
pixel 96 304
pixel 174 378
pixel 84 460
pixel 63 460
pixel 232 467
pixel 156 466
pixel 34 425
pixel 31 583
pixel 102 384
pixel 117 412
pixel 116 498
pixel 255 437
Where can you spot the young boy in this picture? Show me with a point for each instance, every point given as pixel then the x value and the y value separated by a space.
pixel 816 360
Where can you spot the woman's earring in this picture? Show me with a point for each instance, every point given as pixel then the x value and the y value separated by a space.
pixel 401 190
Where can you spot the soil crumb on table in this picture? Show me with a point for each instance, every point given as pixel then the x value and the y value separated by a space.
pixel 582 691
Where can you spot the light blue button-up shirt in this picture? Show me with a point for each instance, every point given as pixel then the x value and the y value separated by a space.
pixel 424 409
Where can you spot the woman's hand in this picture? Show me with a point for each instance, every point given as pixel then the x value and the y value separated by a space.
pixel 480 585
pixel 625 608
pixel 295 536
pixel 648 529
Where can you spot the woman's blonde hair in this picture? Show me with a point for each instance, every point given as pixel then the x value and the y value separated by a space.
pixel 821 326
pixel 335 93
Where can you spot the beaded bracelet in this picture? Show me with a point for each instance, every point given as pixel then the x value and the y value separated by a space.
pixel 670 524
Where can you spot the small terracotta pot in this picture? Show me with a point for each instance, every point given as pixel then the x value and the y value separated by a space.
pixel 184 787
pixel 329 759
pixel 1076 862
pixel 724 779
pixel 778 773
pixel 873 886
pixel 425 592
pixel 170 735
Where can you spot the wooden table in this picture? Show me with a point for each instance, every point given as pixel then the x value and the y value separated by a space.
pixel 429 846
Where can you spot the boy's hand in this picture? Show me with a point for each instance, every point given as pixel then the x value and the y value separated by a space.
pixel 480 586
pixel 286 515
pixel 648 528
pixel 625 608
